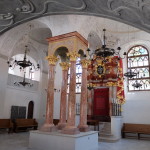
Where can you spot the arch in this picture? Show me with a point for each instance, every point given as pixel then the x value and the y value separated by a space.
pixel 80 8
pixel 62 52
pixel 130 51
pixel 30 110
pixel 81 52
pixel 9 48
pixel 94 40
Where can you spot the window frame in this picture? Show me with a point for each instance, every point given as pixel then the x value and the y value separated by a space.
pixel 77 64
pixel 146 66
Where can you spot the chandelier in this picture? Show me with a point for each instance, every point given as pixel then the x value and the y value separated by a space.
pixel 104 51
pixel 130 74
pixel 136 84
pixel 102 60
pixel 23 63
pixel 23 83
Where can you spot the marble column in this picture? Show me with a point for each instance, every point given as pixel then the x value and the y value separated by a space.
pixel 48 125
pixel 83 127
pixel 90 103
pixel 63 101
pixel 70 127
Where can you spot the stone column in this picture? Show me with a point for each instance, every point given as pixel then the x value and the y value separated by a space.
pixel 63 101
pixel 83 127
pixel 48 125
pixel 71 128
pixel 90 103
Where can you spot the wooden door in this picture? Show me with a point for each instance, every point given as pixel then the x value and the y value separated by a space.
pixel 30 110
pixel 101 102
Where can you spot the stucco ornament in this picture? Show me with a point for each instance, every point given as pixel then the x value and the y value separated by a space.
pixel 52 59
pixel 135 12
pixel 73 55
pixel 64 65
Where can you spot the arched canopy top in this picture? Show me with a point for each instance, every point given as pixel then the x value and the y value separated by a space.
pixel 73 41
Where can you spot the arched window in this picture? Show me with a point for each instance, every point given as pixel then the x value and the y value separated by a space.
pixel 78 76
pixel 138 62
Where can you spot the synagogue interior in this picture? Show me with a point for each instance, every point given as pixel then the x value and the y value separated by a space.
pixel 74 75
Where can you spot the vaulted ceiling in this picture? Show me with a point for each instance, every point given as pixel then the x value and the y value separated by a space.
pixel 132 12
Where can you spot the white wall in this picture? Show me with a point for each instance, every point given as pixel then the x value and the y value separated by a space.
pixel 43 97
pixel 17 97
pixel 12 96
pixel 137 106
pixel 3 82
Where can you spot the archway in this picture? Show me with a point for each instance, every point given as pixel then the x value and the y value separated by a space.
pixel 30 110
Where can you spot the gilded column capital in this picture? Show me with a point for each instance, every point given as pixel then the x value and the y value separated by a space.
pixel 52 59
pixel 73 55
pixel 64 65
pixel 85 63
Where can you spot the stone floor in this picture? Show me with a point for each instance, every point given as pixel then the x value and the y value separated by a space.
pixel 19 141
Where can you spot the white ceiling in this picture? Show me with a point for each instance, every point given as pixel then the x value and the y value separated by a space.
pixel 35 33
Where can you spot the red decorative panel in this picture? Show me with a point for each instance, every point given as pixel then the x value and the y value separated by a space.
pixel 101 102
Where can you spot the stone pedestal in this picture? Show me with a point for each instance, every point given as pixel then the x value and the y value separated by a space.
pixel 62 123
pixel 48 125
pixel 116 126
pixel 83 127
pixel 56 141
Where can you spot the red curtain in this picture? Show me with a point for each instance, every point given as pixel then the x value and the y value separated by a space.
pixel 101 102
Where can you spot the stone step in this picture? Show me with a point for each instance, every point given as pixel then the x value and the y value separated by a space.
pixel 105 123
pixel 105 134
pixel 105 129
pixel 107 139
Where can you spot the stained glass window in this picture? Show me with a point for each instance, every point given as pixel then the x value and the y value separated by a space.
pixel 78 77
pixel 138 62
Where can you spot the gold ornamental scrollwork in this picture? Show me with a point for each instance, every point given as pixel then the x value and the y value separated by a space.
pixel 111 84
pixel 109 58
pixel 100 65
pixel 73 55
pixel 85 63
pixel 52 59
pixel 64 65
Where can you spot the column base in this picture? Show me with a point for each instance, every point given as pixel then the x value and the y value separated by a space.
pixel 61 126
pixel 70 130
pixel 48 128
pixel 84 128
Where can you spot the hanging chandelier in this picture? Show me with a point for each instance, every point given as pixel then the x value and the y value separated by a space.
pixel 136 84
pixel 104 51
pixel 130 74
pixel 24 82
pixel 23 63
